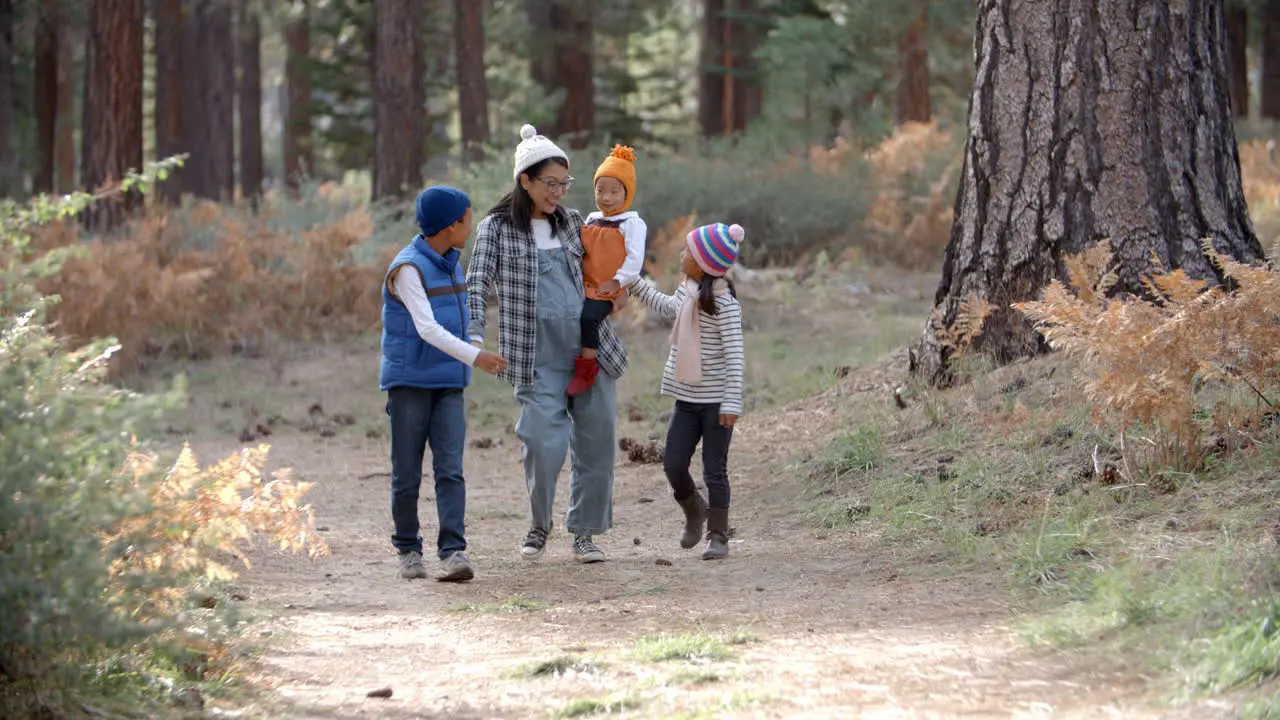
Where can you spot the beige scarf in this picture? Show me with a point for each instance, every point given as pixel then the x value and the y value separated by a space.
pixel 686 334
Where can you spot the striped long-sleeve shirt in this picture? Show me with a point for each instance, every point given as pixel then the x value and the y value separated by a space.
pixel 723 355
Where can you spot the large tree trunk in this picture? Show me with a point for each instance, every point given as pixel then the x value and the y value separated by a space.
pixel 912 102
pixel 1270 19
pixel 473 88
pixel 730 95
pixel 565 64
pixel 1237 58
pixel 249 99
pixel 430 120
pixel 46 93
pixel 1088 121
pixel 113 89
pixel 398 125
pixel 8 150
pixel 169 93
pixel 208 123
pixel 54 100
pixel 711 75
pixel 298 158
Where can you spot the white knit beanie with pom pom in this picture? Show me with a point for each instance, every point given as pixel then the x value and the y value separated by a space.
pixel 533 149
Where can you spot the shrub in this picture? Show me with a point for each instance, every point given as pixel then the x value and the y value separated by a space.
pixel 162 294
pixel 98 548
pixel 1148 362
pixel 790 207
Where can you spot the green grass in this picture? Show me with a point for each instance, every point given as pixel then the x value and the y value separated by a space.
pixel 513 604
pixel 685 646
pixel 696 676
pixel 559 666
pixel 587 707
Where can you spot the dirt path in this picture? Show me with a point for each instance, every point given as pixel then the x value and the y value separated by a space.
pixel 798 625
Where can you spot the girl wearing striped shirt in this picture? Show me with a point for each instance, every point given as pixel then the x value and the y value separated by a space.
pixel 704 373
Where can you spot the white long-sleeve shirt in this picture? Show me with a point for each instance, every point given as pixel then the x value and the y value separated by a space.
pixel 723 353
pixel 634 232
pixel 407 288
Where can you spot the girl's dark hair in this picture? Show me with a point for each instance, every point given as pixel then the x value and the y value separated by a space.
pixel 707 296
pixel 517 204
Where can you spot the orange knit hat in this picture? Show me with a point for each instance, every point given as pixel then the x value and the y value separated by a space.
pixel 620 165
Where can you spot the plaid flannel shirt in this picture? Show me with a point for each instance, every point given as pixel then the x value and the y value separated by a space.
pixel 505 260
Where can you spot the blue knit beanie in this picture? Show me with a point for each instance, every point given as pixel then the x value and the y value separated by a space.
pixel 439 207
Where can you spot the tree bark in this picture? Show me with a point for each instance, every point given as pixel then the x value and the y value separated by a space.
pixel 169 93
pixel 48 31
pixel 113 89
pixel 1237 58
pixel 1270 19
pixel 563 64
pixel 473 87
pixel 711 75
pixel 748 92
pixel 425 121
pixel 398 124
pixel 1088 121
pixel 249 100
pixel 298 158
pixel 64 120
pixel 8 149
pixel 730 95
pixel 209 88
pixel 912 102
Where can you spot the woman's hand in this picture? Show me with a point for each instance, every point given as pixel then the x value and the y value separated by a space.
pixel 491 362
pixel 728 421
pixel 621 301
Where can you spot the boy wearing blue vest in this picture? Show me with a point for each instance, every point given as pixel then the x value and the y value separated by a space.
pixel 426 364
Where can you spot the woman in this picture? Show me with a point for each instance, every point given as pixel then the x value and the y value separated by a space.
pixel 528 252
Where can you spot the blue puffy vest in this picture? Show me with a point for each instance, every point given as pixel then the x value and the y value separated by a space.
pixel 406 358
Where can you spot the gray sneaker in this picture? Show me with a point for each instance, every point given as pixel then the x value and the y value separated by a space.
pixel 586 551
pixel 534 543
pixel 411 567
pixel 456 568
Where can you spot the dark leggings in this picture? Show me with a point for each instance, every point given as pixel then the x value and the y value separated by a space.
pixel 691 423
pixel 594 312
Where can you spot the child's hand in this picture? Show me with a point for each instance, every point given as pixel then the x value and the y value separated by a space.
pixel 621 301
pixel 728 421
pixel 610 287
pixel 491 362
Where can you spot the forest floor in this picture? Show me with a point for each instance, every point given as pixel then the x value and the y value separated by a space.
pixel 801 621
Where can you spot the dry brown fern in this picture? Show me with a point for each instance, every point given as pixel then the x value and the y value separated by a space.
pixel 1146 359
pixel 971 316
pixel 255 283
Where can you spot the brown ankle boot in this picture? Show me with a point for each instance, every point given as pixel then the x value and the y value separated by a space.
pixel 695 514
pixel 717 534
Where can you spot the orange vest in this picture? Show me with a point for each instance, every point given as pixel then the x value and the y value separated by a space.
pixel 604 250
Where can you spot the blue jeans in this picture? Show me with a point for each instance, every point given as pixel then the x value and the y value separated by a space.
pixel 420 417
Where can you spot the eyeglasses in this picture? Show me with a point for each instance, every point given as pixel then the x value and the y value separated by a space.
pixel 557 186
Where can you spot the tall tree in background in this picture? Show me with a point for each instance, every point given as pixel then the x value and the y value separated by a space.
pixel 249 97
pixel 298 155
pixel 398 124
pixel 1237 56
pixel 8 150
pixel 729 92
pixel 208 107
pixel 1269 18
pixel 473 87
pixel 1082 126
pixel 912 101
pixel 54 100
pixel 563 63
pixel 168 23
pixel 112 136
